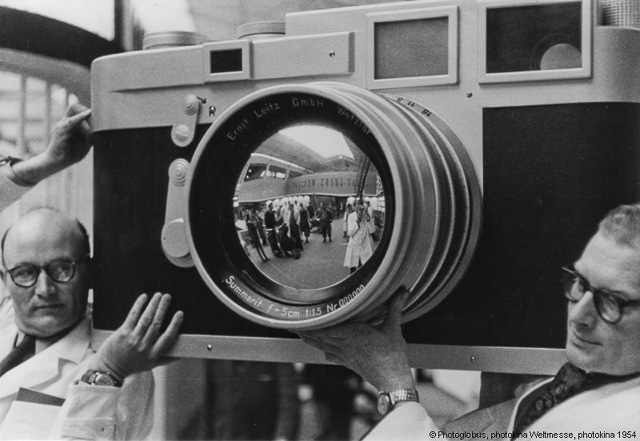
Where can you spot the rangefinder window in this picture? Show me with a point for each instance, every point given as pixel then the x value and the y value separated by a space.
pixel 528 41
pixel 226 61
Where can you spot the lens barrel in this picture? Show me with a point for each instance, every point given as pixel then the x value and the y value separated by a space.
pixel 432 194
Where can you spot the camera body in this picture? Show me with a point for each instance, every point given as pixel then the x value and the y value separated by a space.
pixel 499 133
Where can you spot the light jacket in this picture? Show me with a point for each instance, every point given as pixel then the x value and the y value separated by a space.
pixel 609 411
pixel 359 248
pixel 53 373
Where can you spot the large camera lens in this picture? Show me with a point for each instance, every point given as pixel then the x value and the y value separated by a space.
pixel 394 167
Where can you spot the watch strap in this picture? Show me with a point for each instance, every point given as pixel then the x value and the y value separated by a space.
pixel 388 400
pixel 400 395
pixel 9 160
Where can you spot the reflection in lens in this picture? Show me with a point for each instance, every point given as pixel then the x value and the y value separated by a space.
pixel 309 207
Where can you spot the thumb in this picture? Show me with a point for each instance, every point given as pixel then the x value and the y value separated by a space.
pixel 79 117
pixel 393 319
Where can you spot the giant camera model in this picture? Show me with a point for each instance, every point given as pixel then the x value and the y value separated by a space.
pixel 489 138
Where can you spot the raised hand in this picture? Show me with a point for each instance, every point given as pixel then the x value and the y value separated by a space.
pixel 70 141
pixel 138 344
pixel 377 353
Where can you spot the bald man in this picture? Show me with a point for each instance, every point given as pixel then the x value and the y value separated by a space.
pixel 47 272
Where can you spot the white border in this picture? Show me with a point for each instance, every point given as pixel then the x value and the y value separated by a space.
pixel 449 12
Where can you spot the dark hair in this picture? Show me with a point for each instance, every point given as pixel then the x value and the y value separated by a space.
pixel 86 243
pixel 622 225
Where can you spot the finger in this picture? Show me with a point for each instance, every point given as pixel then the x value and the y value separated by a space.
pixel 146 318
pixel 393 319
pixel 86 130
pixel 322 345
pixel 134 313
pixel 163 307
pixel 313 341
pixel 169 336
pixel 333 358
pixel 158 318
pixel 79 118
pixel 308 340
pixel 74 108
pixel 336 333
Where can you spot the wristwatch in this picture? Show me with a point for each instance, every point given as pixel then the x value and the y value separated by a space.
pixel 388 400
pixel 100 378
pixel 9 160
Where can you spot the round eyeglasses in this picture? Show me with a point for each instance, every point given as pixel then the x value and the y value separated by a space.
pixel 609 307
pixel 61 271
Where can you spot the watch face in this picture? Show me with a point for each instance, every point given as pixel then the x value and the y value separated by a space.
pixel 384 403
pixel 103 380
pixel 98 378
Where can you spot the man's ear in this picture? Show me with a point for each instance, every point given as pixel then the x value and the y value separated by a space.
pixel 91 272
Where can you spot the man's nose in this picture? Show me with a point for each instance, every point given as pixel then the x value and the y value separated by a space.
pixel 584 311
pixel 44 285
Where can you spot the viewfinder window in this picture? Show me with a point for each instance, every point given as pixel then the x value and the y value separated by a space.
pixel 411 48
pixel 226 61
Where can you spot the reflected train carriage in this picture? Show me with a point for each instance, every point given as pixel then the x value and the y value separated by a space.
pixel 309 163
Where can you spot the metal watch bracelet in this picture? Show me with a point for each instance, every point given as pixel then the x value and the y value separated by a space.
pixel 388 400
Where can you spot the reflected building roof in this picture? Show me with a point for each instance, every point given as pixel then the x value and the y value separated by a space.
pixel 288 149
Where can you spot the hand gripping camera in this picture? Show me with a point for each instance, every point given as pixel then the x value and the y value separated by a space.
pixel 485 138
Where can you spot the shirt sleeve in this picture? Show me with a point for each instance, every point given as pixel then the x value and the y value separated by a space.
pixel 108 413
pixel 407 422
pixel 9 190
pixel 89 412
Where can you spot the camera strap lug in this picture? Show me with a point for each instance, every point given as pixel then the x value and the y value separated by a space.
pixel 174 237
pixel 183 132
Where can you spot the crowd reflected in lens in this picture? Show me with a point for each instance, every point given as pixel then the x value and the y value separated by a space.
pixel 309 207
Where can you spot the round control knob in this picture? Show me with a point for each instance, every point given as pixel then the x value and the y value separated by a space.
pixel 159 40
pixel 261 29
pixel 174 244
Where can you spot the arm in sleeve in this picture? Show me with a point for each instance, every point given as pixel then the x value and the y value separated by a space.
pixel 108 413
pixel 10 190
